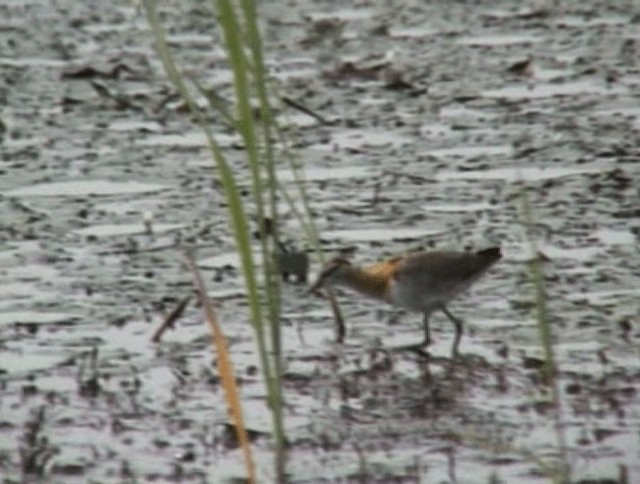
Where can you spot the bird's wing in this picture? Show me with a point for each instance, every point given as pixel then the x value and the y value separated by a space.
pixel 441 270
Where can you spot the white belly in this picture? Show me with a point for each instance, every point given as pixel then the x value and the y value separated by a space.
pixel 424 298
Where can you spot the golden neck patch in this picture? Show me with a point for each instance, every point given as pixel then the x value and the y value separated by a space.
pixel 374 280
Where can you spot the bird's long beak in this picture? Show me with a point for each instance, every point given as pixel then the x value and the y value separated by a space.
pixel 317 285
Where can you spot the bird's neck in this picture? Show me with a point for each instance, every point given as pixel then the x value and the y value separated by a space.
pixel 365 282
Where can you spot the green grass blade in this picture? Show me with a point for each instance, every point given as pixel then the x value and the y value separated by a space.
pixel 550 370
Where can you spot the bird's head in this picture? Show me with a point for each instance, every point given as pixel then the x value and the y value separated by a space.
pixel 334 272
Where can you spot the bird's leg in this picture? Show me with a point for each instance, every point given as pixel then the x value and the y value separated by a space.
pixel 335 307
pixel 427 333
pixel 458 326
pixel 419 348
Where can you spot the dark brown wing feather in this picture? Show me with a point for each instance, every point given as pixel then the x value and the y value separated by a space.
pixel 442 271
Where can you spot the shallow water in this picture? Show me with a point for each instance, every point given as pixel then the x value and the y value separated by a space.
pixel 98 190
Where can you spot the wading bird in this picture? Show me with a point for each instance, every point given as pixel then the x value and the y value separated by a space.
pixel 421 281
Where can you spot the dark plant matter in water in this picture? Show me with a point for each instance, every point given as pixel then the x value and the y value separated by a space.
pixel 415 122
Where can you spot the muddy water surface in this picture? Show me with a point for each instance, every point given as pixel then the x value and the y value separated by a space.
pixel 427 118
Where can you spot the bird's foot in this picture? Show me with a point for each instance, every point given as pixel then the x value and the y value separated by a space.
pixel 419 349
pixel 421 352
